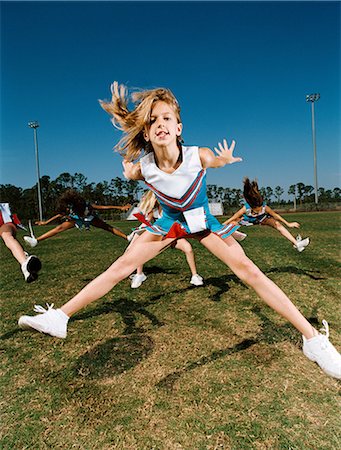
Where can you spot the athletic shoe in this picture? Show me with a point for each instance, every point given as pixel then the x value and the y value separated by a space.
pixel 239 236
pixel 197 280
pixel 32 241
pixel 30 268
pixel 137 280
pixel 302 244
pixel 320 350
pixel 49 321
pixel 298 237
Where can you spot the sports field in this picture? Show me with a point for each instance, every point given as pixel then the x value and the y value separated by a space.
pixel 172 366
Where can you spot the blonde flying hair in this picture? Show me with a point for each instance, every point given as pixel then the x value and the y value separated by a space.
pixel 148 202
pixel 133 123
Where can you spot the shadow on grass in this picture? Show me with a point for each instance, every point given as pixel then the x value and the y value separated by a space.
pixel 271 333
pixel 297 271
pixel 114 356
pixel 222 283
pixel 127 309
pixel 168 382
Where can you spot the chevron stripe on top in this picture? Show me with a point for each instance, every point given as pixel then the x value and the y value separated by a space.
pixel 187 199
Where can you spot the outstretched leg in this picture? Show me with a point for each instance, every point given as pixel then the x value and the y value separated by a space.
pixel 8 234
pixel 186 247
pixel 99 223
pixel 59 229
pixel 134 256
pixel 30 265
pixel 281 228
pixel 232 254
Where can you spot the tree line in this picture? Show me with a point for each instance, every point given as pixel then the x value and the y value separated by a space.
pixel 119 191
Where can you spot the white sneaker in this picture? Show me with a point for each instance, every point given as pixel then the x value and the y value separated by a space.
pixel 49 321
pixel 137 280
pixel 301 244
pixel 197 280
pixel 239 236
pixel 32 241
pixel 320 350
pixel 30 268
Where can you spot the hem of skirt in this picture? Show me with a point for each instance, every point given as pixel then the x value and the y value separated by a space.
pixel 228 233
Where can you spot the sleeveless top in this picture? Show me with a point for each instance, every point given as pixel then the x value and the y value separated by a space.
pixel 251 217
pixel 182 196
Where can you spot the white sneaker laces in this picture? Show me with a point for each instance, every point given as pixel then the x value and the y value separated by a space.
pixel 40 309
pixel 333 354
pixel 325 330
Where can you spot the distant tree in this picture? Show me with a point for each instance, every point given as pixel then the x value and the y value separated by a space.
pixel 337 193
pixel 212 191
pixel 132 188
pixel 79 182
pixel 300 191
pixel 292 191
pixel 308 193
pixel 10 194
pixel 269 193
pixel 278 192
pixel 65 180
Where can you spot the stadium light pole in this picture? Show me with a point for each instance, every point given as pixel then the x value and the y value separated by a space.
pixel 312 98
pixel 34 125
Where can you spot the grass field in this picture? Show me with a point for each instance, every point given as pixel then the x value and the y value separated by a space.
pixel 170 366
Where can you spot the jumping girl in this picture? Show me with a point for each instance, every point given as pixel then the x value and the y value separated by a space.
pixel 257 212
pixel 151 209
pixel 76 212
pixel 30 264
pixel 176 174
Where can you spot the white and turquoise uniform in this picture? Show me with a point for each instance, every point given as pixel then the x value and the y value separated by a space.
pixel 252 218
pixel 182 196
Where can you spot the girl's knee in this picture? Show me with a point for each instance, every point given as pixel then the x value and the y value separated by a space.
pixel 248 272
pixel 122 267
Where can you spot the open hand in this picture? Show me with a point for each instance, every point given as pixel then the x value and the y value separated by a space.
pixel 226 153
pixel 294 225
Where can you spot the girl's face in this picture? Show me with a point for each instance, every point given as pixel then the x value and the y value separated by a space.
pixel 164 127
pixel 257 209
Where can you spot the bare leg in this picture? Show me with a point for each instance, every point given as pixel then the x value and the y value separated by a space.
pixel 139 269
pixel 281 228
pixel 186 247
pixel 59 229
pixel 8 233
pixel 233 255
pixel 99 223
pixel 136 255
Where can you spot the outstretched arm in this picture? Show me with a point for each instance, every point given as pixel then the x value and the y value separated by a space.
pixel 45 222
pixel 223 156
pixel 276 216
pixel 132 171
pixel 106 207
pixel 236 216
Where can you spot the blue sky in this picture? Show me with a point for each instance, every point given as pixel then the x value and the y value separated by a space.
pixel 240 70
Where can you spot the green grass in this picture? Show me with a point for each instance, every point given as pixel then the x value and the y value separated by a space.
pixel 169 366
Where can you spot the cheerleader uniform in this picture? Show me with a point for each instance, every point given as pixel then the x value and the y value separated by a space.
pixel 182 196
pixel 6 216
pixel 82 221
pixel 252 218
